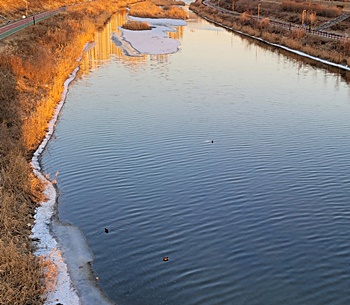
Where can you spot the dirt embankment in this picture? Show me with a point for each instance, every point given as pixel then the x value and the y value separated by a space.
pixel 257 20
pixel 33 67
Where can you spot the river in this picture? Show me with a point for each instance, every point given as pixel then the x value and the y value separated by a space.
pixel 228 157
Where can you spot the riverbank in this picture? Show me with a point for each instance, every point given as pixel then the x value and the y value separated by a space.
pixel 34 65
pixel 335 52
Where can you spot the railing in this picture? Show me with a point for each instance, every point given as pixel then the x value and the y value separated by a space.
pixel 291 26
pixel 285 25
pixel 14 27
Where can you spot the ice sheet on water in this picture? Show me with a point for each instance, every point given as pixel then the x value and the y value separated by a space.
pixel 154 41
pixel 127 48
pixel 78 257
pixel 67 249
pixel 160 21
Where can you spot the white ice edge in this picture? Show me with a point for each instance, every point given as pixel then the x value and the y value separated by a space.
pixel 47 245
pixel 64 245
pixel 152 42
pixel 282 47
pixel 75 267
pixel 160 21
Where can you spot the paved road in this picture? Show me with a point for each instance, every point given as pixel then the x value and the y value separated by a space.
pixel 14 27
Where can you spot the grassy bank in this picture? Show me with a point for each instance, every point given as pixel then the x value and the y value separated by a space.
pixel 33 67
pixel 336 51
pixel 154 9
pixel 148 9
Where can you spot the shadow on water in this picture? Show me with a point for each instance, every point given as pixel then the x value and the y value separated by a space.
pixel 302 60
pixel 345 74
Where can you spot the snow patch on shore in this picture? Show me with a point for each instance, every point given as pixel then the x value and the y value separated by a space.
pixel 47 245
pixel 64 245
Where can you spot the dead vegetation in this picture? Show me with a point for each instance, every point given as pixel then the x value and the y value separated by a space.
pixel 16 9
pixel 295 37
pixel 33 66
pixel 318 9
pixel 136 26
pixel 311 13
pixel 148 9
pixel 168 2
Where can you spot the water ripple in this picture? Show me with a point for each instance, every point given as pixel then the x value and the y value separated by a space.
pixel 243 185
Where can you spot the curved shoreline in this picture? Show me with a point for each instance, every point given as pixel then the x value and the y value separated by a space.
pixel 63 244
pixel 317 59
pixel 47 245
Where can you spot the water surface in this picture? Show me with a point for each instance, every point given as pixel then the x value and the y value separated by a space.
pixel 227 157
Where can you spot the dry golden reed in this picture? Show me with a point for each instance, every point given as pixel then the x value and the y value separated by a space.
pixel 136 26
pixel 33 66
pixel 148 9
pixel 298 39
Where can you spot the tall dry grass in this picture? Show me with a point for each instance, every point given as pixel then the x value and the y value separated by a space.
pixel 20 275
pixel 318 9
pixel 148 9
pixel 298 39
pixel 168 2
pixel 33 66
pixel 136 26
pixel 16 9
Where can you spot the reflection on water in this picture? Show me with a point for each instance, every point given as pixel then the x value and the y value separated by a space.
pixel 300 60
pixel 178 33
pixel 103 47
pixel 258 216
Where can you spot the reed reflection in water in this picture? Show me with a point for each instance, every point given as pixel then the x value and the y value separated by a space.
pixel 228 158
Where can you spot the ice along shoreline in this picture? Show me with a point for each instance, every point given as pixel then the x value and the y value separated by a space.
pixel 64 245
pixel 278 46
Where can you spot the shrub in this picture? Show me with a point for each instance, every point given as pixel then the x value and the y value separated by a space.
pixel 345 46
pixel 136 26
pixel 150 10
pixel 33 66
pixel 145 10
pixel 320 10
pixel 246 18
pixel 264 23
pixel 176 13
pixel 298 33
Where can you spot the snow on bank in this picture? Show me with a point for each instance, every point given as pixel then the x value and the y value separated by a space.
pixel 154 41
pixel 47 246
pixel 280 46
pixel 64 245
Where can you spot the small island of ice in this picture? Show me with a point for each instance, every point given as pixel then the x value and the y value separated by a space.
pixel 154 41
